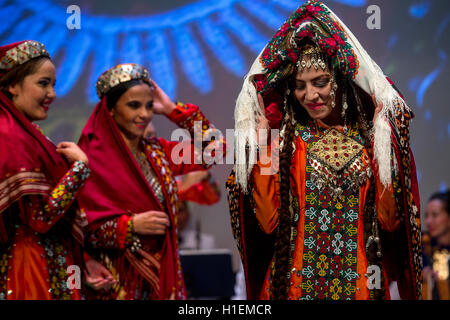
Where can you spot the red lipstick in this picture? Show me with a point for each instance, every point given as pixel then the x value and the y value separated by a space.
pixel 315 106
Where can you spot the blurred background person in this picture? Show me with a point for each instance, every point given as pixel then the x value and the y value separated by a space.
pixel 436 248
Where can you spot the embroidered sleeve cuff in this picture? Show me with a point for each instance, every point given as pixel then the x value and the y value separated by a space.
pixel 81 169
pixel 132 240
pixel 184 115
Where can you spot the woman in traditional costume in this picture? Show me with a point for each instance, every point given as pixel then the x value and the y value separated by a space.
pixel 38 183
pixel 339 219
pixel 131 198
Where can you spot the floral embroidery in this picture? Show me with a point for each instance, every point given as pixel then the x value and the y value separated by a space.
pixel 63 195
pixel 405 199
pixel 330 240
pixel 57 268
pixel 105 236
pixel 155 152
pixel 279 56
pixel 234 204
pixel 206 136
pixel 4 262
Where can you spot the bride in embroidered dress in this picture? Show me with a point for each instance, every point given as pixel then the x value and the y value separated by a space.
pixel 331 217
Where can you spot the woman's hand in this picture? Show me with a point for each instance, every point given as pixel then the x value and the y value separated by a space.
pixel 162 104
pixel 378 108
pixel 72 152
pixel 97 276
pixel 151 222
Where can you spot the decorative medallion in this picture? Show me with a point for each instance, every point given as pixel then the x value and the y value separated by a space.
pixel 339 163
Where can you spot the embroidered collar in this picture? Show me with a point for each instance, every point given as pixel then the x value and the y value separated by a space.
pixel 337 159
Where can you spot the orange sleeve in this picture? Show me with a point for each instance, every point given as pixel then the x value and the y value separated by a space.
pixel 266 196
pixel 386 207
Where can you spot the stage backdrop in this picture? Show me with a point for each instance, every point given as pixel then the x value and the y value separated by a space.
pixel 199 52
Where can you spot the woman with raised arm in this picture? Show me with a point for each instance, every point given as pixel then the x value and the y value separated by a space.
pixel 131 199
pixel 336 215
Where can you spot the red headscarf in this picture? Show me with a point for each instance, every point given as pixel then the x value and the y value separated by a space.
pixel 117 186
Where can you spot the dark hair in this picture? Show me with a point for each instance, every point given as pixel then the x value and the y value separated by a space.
pixel 17 74
pixel 113 95
pixel 444 197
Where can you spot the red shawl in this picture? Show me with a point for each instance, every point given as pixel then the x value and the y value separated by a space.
pixel 29 163
pixel 117 186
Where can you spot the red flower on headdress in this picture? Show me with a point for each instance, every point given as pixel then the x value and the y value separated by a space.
pixel 297 21
pixel 305 33
pixel 330 42
pixel 321 43
pixel 282 32
pixel 331 52
pixel 275 63
pixel 260 81
pixel 338 39
pixel 293 55
pixel 313 9
pixel 266 54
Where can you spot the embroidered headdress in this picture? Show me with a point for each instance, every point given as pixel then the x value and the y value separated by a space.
pixel 18 53
pixel 119 74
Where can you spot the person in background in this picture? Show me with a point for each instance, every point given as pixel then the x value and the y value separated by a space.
pixel 436 248
pixel 195 187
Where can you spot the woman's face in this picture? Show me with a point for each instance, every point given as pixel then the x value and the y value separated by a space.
pixel 437 219
pixel 36 92
pixel 133 111
pixel 312 90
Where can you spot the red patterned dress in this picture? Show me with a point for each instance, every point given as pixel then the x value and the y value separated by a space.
pixel 37 192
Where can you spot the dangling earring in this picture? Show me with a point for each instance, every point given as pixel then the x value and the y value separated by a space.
pixel 333 92
pixel 344 109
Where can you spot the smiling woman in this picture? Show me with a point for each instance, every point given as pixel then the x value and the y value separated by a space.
pixel 34 94
pixel 132 111
pixel 38 182
pixel 131 200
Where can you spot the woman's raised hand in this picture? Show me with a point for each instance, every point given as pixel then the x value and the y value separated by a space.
pixel 162 104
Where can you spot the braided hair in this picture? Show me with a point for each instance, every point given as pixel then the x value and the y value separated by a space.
pixel 280 279
pixel 360 111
